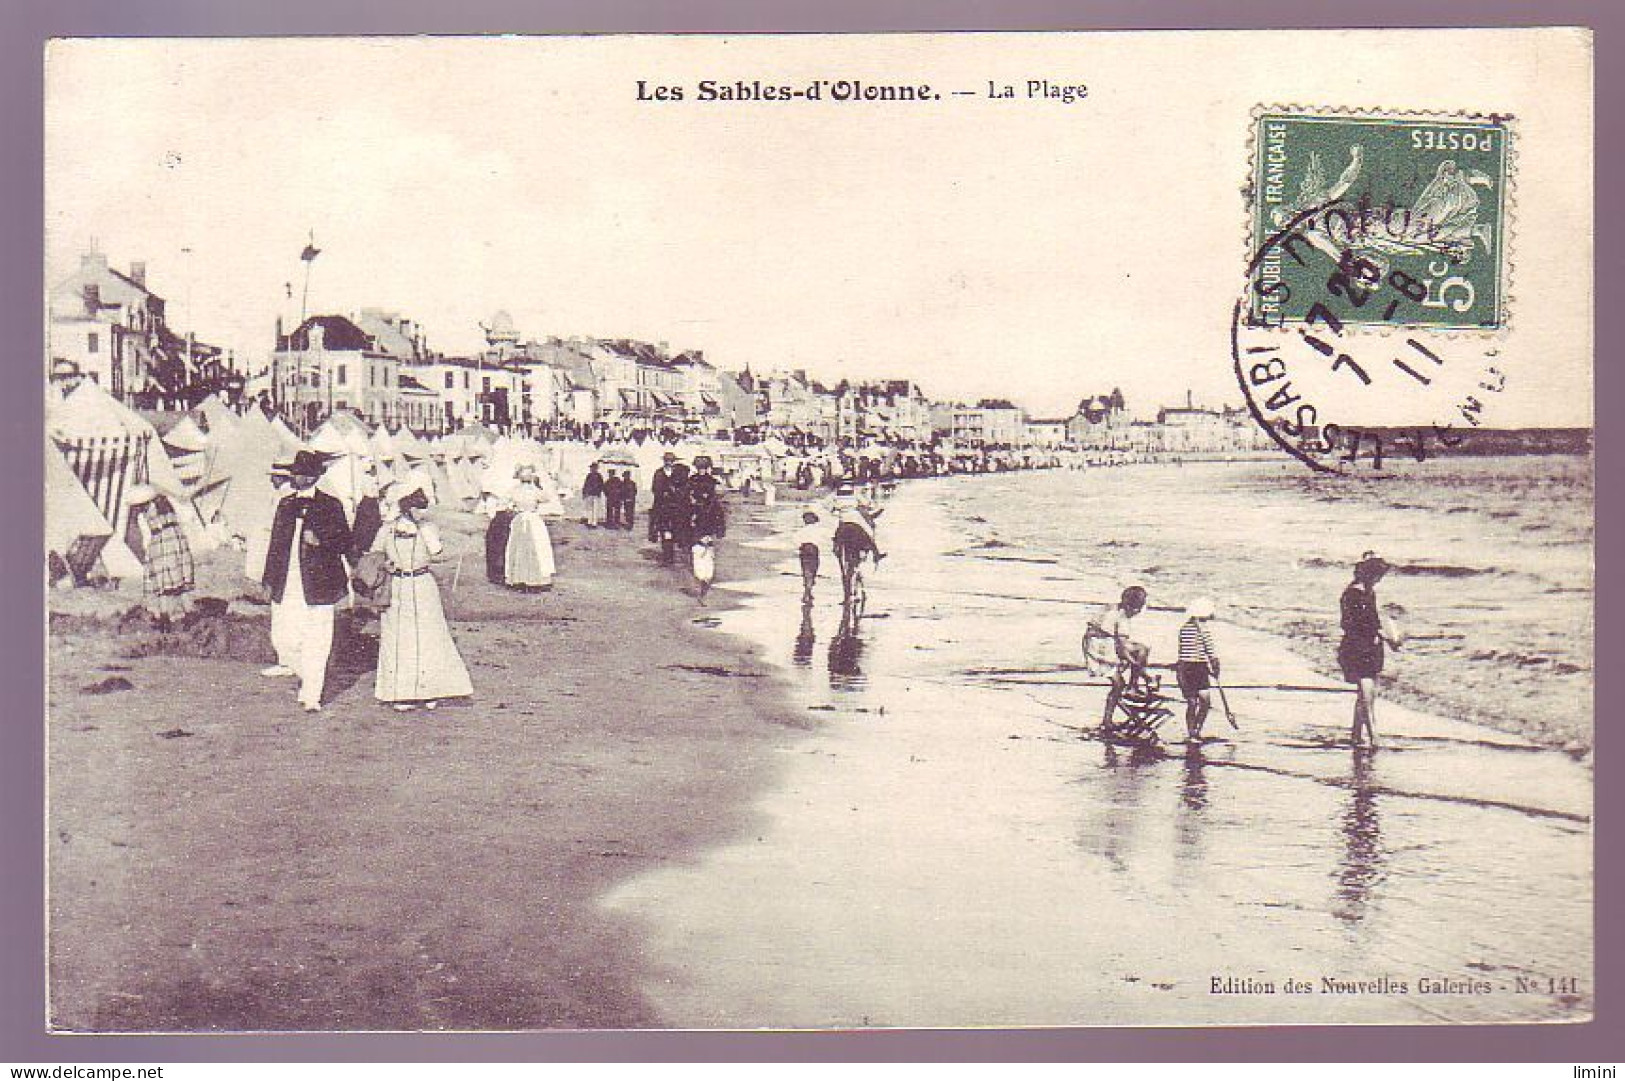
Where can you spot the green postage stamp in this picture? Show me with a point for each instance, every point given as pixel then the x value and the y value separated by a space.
pixel 1402 218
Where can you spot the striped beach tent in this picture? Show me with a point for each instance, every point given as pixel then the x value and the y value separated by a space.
pixel 78 538
pixel 111 449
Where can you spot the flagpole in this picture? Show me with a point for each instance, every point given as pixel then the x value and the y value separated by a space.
pixel 304 297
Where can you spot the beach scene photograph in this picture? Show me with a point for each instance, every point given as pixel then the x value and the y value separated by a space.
pixel 819 532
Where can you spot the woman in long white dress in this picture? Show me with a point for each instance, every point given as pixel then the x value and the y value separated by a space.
pixel 530 564
pixel 418 662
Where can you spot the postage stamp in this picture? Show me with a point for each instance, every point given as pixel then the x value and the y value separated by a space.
pixel 1412 208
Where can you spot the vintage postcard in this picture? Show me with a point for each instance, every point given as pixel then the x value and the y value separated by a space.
pixel 819 532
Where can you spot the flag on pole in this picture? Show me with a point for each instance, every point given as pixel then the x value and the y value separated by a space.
pixel 311 251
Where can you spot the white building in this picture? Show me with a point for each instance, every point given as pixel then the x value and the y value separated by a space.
pixel 329 365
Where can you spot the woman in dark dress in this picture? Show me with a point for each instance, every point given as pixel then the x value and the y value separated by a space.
pixel 1360 653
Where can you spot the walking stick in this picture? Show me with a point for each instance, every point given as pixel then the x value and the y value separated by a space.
pixel 458 573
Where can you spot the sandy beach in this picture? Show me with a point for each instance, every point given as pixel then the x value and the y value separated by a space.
pixel 221 861
pixel 752 815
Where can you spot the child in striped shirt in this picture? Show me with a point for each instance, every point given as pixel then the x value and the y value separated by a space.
pixel 1198 665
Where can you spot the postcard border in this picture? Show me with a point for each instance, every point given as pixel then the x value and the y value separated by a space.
pixel 30 23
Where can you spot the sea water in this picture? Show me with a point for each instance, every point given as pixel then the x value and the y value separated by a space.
pixel 1493 564
pixel 949 845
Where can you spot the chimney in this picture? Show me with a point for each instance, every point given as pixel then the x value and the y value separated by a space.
pixel 281 339
pixel 93 260
pixel 138 273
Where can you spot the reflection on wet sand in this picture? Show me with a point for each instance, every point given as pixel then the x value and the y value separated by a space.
pixel 1193 800
pixel 846 650
pixel 1363 863
pixel 806 638
pixel 1123 807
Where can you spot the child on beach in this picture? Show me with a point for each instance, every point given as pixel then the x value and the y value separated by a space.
pixel 1197 667
pixel 810 540
pixel 704 555
pixel 1114 629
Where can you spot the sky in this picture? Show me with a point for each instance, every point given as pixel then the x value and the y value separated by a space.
pixel 1031 249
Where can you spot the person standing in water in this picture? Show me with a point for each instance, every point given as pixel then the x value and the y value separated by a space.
pixel 810 541
pixel 1197 667
pixel 1360 653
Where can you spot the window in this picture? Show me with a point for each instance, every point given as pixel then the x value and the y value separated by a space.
pixel 465 380
pixel 485 385
pixel 92 344
pixel 450 378
pixel 340 379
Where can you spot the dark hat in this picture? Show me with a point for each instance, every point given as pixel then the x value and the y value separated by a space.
pixel 668 457
pixel 702 461
pixel 1371 567
pixel 307 463
pixel 415 499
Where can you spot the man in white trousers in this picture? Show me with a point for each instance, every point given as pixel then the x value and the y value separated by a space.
pixel 307 574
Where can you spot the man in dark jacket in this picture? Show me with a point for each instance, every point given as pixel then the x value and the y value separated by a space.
pixel 629 499
pixel 305 571
pixel 660 491
pixel 612 500
pixel 672 518
pixel 592 492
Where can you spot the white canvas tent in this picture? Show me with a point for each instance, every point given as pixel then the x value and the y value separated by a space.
pixel 110 448
pixel 76 531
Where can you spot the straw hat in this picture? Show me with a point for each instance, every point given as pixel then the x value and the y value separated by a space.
pixel 1200 608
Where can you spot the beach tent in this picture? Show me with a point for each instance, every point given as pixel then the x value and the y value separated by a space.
pixel 215 417
pixel 190 452
pixel 284 434
pixel 243 463
pixel 384 444
pixel 111 449
pixel 352 474
pixel 76 532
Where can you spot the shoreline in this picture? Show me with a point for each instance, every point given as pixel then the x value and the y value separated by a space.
pixel 220 862
pixel 945 852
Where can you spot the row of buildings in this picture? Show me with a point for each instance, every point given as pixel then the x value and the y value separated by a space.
pixel 106 325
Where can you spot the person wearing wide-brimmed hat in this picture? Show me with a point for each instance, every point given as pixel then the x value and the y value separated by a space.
pixel 1360 653
pixel 529 564
pixel 306 572
pixel 418 662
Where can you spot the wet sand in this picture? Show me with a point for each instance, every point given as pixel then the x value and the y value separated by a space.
pixel 950 850
pixel 221 861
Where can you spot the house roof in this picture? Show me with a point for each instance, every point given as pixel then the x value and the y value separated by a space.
pixel 412 386
pixel 338 333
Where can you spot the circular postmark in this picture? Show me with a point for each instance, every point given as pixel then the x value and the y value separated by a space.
pixel 1366 333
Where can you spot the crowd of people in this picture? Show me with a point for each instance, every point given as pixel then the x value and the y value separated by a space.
pixel 318 550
